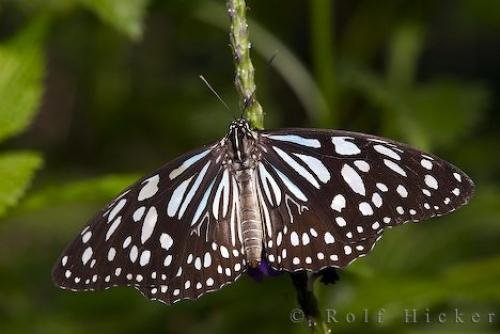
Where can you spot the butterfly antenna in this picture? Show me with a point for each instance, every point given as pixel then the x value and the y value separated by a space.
pixel 216 94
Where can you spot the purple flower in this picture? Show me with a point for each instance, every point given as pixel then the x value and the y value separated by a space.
pixel 263 270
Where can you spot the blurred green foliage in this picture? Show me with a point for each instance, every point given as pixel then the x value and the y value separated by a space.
pixel 108 90
pixel 21 71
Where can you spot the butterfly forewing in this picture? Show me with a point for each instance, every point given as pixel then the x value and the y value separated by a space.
pixel 340 189
pixel 173 235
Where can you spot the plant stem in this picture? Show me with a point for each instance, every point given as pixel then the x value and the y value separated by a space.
pixel 304 283
pixel 244 74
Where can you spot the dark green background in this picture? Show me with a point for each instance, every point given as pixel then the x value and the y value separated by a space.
pixel 116 92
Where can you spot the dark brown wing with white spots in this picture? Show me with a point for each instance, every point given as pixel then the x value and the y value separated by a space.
pixel 172 235
pixel 326 196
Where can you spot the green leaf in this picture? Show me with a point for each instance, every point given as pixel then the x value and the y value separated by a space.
pixel 445 110
pixel 21 73
pixel 124 15
pixel 91 190
pixel 16 170
pixel 404 51
pixel 429 115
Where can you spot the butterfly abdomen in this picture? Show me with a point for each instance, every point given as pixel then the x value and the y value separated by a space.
pixel 251 222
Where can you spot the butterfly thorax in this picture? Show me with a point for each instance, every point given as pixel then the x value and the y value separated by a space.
pixel 243 160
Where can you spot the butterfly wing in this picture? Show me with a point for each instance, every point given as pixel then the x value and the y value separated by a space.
pixel 326 196
pixel 172 235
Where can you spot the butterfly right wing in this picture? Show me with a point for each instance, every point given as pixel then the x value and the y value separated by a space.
pixel 165 235
pixel 330 194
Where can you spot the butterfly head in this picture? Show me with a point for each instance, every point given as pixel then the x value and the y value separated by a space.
pixel 241 124
pixel 240 136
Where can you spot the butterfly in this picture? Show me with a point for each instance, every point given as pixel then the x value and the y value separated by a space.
pixel 299 199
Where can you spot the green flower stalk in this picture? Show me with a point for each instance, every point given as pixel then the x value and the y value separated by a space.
pixel 244 76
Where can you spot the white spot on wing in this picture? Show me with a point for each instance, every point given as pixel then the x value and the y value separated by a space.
pixel 316 166
pixel 431 181
pixel 382 187
pixel 87 254
pixel 362 165
pixel 352 178
pixel 113 227
pixel 266 180
pixel 166 241
pixel 329 239
pixel 188 163
pixel 134 252
pixel 144 259
pixel 386 151
pixel 377 200
pixel 402 191
pixel 296 140
pixel 222 191
pixel 279 239
pixel 395 167
pixel 340 221
pixel 150 188
pixel 139 213
pixel 149 224
pixel 427 164
pixel 111 254
pixel 344 147
pixel 365 209
pixel 297 167
pixel 177 196
pixel 193 190
pixel 224 252
pixel 338 203
pixel 267 218
pixel 291 186
pixel 117 208
pixel 305 239
pixel 294 238
pixel 86 237
pixel 202 205
pixel 207 260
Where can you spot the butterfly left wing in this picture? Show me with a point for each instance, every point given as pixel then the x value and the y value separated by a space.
pixel 173 235
pixel 326 196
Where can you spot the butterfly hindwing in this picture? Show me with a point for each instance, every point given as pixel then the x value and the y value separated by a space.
pixel 164 235
pixel 338 190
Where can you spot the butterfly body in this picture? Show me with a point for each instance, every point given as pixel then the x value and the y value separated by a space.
pixel 302 199
pixel 244 159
